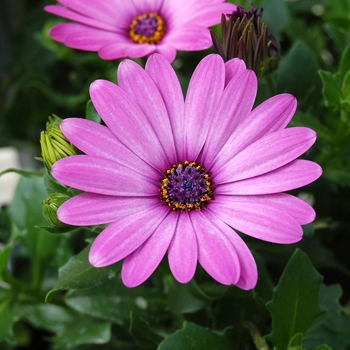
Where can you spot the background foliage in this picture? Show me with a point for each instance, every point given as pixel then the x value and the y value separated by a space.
pixel 51 298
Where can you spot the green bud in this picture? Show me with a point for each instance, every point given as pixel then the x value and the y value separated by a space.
pixel 54 145
pixel 50 206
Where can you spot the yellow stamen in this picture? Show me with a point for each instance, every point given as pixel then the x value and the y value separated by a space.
pixel 137 33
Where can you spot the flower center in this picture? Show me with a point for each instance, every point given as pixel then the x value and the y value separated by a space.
pixel 148 28
pixel 186 186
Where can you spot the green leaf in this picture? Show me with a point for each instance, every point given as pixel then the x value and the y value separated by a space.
pixel 295 300
pixel 53 186
pixel 91 113
pixel 346 86
pixel 113 301
pixel 296 342
pixel 52 318
pixel 25 173
pixel 275 15
pixel 331 89
pixel 193 337
pixel 41 244
pixel 345 62
pixel 4 256
pixel 297 74
pixel 185 298
pixel 144 336
pixel 323 347
pixel 332 327
pixel 57 229
pixel 83 331
pixel 78 273
pixel 25 212
pixel 8 317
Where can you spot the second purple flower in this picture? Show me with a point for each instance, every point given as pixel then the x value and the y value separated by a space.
pixel 136 28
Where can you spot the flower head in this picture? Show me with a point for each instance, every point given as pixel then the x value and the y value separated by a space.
pixel 179 176
pixel 54 144
pixel 246 37
pixel 118 29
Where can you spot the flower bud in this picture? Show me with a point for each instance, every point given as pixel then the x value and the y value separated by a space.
pixel 50 206
pixel 54 145
pixel 246 37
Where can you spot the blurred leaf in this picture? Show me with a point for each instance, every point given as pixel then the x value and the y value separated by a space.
pixel 52 318
pixel 340 175
pixel 113 301
pixel 185 298
pixel 57 229
pixel 333 327
pixel 17 208
pixel 41 244
pixel 345 62
pixel 193 337
pixel 297 75
pixel 305 5
pixel 275 15
pixel 295 302
pixel 144 336
pixel 4 256
pixel 296 342
pixel 331 89
pixel 91 113
pixel 323 347
pixel 346 87
pixel 25 173
pixel 83 331
pixel 8 316
pixel 78 273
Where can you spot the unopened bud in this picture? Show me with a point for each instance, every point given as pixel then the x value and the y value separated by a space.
pixel 50 206
pixel 246 37
pixel 54 145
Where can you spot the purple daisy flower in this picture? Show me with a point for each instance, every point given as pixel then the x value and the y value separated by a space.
pixel 137 28
pixel 178 176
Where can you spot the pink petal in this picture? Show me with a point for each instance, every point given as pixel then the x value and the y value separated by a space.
pixel 167 51
pixel 199 38
pixel 257 219
pixel 267 154
pixel 142 89
pixel 78 36
pixel 236 103
pixel 203 94
pixel 97 140
pixel 147 6
pixel 182 254
pixel 203 13
pixel 112 12
pixel 169 87
pixel 248 270
pixel 210 14
pixel 141 263
pixel 301 211
pixel 216 253
pixel 124 236
pixel 88 209
pixel 127 121
pixel 102 176
pixel 130 49
pixel 296 174
pixel 272 115
pixel 233 68
pixel 84 20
